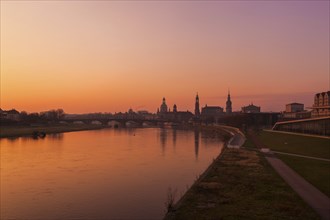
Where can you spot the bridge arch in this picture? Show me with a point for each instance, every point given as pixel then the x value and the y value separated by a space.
pixel 78 123
pixel 114 124
pixel 96 122
pixel 131 124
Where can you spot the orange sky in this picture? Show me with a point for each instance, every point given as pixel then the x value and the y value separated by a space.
pixel 104 56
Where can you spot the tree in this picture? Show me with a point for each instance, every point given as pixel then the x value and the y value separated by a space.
pixel 60 113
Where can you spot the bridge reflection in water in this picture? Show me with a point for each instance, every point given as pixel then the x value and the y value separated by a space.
pixel 100 174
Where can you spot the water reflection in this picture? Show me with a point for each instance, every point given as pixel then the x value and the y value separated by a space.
pixel 196 133
pixel 174 137
pixel 99 174
pixel 31 139
pixel 211 137
pixel 24 138
pixel 12 139
pixel 56 136
pixel 130 130
pixel 163 139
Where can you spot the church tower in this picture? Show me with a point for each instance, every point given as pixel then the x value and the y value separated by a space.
pixel 228 104
pixel 163 107
pixel 175 110
pixel 197 112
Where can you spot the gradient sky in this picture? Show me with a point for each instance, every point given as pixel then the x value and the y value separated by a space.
pixel 108 56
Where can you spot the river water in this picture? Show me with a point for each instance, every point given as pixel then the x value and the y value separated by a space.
pixel 101 174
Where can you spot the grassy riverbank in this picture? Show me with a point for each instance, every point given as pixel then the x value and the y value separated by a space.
pixel 16 131
pixel 240 184
pixel 314 171
pixel 296 144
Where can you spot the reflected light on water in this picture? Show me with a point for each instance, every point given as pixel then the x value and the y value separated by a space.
pixel 110 173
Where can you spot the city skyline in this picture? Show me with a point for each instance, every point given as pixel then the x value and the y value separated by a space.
pixel 170 106
pixel 111 56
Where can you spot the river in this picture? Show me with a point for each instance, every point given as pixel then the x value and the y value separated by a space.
pixel 101 174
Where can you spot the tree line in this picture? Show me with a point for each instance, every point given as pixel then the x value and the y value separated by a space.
pixel 15 117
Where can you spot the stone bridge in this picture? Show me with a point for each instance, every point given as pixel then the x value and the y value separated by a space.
pixel 117 122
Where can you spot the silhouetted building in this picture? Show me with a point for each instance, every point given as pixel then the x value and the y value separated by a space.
pixel 295 111
pixel 143 112
pixel 211 114
pixel 251 109
pixel 294 107
pixel 163 107
pixel 130 111
pixel 174 108
pixel 175 115
pixel 182 116
pixel 12 115
pixel 146 115
pixel 228 104
pixel 321 107
pixel 211 110
pixel 197 112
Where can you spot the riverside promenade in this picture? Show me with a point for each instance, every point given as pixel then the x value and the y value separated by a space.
pixel 238 138
pixel 240 184
pixel 310 194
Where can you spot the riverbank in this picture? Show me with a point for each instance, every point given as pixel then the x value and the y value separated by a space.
pixel 17 131
pixel 240 184
pixel 295 144
pixel 314 171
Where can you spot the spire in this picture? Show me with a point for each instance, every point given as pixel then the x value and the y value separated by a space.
pixel 228 103
pixel 197 112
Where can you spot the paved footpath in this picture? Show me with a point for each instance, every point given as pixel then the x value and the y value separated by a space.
pixel 299 155
pixel 311 195
pixel 238 138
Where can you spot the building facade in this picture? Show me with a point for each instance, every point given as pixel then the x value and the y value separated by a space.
pixel 12 115
pixel 321 107
pixel 294 107
pixel 295 111
pixel 211 114
pixel 211 111
pixel 251 109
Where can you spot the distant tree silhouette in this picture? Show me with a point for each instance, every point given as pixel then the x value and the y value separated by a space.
pixel 60 113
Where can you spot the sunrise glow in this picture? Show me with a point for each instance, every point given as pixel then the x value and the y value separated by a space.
pixel 104 56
